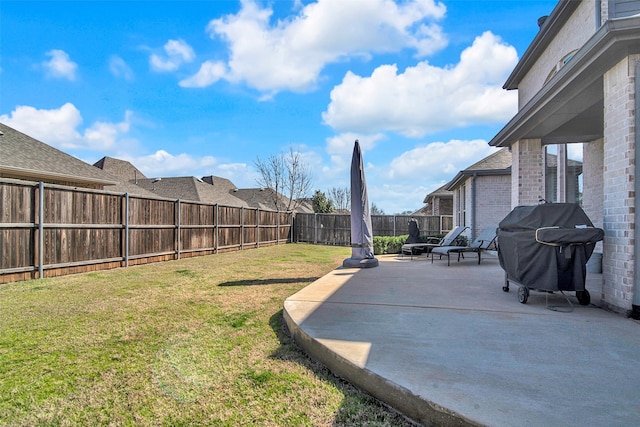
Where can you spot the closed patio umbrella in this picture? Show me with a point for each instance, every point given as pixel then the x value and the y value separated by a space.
pixel 361 234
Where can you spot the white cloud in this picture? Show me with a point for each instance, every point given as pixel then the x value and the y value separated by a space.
pixel 340 150
pixel 177 52
pixel 164 164
pixel 241 174
pixel 58 127
pixel 119 68
pixel 209 73
pixel 426 99
pixel 438 161
pixel 290 54
pixel 104 135
pixel 60 66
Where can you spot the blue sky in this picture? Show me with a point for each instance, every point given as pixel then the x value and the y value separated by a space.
pixel 195 88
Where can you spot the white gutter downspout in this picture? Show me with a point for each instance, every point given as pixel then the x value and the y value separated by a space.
pixel 635 305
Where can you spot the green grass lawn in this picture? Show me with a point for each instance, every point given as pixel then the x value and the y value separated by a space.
pixel 198 341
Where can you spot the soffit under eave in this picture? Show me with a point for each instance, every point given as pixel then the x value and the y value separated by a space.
pixel 570 104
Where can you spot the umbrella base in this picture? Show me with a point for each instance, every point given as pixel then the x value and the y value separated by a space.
pixel 360 262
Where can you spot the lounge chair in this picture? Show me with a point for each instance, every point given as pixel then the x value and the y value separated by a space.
pixel 483 242
pixel 433 242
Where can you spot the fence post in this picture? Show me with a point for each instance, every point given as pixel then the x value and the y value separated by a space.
pixel 258 228
pixel 242 228
pixel 41 230
pixel 126 229
pixel 277 227
pixel 395 220
pixel 315 228
pixel 217 228
pixel 177 217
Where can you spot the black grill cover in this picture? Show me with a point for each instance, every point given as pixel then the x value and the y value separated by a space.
pixel 547 246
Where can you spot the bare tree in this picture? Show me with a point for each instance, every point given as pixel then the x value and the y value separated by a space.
pixel 374 210
pixel 341 198
pixel 287 176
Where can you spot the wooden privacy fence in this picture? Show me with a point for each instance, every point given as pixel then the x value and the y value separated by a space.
pixel 50 230
pixel 335 229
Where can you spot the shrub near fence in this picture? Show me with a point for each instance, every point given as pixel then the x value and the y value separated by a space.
pixel 335 229
pixel 51 230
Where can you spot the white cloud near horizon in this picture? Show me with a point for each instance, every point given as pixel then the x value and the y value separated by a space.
pixel 291 54
pixel 438 161
pixel 176 52
pixel 426 99
pixel 164 164
pixel 58 127
pixel 60 65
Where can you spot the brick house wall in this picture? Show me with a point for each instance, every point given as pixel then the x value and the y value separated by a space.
pixel 571 36
pixel 527 186
pixel 492 202
pixel 619 186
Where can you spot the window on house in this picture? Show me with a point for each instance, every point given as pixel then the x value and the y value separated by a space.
pixel 463 203
pixel 563 173
pixel 551 173
pixel 560 64
pixel 574 175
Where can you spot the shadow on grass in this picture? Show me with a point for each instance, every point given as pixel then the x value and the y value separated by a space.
pixel 264 282
pixel 358 408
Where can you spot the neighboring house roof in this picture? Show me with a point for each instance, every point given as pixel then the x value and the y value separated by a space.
pixel 123 170
pixel 305 205
pixel 441 192
pixel 262 198
pixel 423 211
pixel 24 157
pixel 498 163
pixel 209 190
pixel 119 168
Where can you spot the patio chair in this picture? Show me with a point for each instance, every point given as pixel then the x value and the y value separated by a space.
pixel 433 242
pixel 485 240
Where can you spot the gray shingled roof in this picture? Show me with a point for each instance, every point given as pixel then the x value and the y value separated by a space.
pixel 440 192
pixel 121 169
pixel 498 163
pixel 24 157
pixel 259 198
pixel 499 160
pixel 262 198
pixel 194 189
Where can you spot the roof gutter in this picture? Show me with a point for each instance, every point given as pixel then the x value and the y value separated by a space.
pixel 456 181
pixel 37 175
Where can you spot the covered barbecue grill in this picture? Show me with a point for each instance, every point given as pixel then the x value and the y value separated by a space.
pixel 546 248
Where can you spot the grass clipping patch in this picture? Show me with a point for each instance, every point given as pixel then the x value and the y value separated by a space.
pixel 197 341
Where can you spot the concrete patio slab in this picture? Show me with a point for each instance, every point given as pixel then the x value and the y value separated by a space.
pixel 446 346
